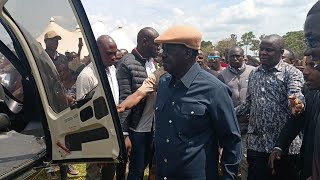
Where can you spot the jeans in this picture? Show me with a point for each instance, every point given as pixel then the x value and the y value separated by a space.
pixel 140 155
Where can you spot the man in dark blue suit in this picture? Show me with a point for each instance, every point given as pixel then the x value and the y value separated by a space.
pixel 194 114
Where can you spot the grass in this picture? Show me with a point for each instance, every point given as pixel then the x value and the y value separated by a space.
pixel 41 175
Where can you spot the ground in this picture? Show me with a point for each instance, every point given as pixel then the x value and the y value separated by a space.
pixel 41 175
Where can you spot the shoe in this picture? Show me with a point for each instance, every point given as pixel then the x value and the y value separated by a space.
pixel 51 174
pixel 72 170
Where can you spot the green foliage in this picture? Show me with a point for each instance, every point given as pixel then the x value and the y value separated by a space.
pixel 206 47
pixel 247 39
pixel 295 41
pixel 234 37
pixel 255 46
pixel 224 44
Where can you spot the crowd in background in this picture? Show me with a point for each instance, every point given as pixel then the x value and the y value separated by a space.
pixel 186 114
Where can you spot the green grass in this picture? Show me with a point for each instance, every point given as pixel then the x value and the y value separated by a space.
pixel 41 175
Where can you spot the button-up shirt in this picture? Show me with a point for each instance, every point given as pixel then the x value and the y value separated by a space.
pixel 268 104
pixel 194 115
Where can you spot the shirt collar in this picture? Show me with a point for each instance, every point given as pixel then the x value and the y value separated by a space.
pixel 136 53
pixel 237 71
pixel 188 78
pixel 277 67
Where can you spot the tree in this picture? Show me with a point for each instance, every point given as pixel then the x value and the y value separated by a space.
pixel 255 46
pixel 206 46
pixel 224 44
pixel 234 37
pixel 295 41
pixel 246 40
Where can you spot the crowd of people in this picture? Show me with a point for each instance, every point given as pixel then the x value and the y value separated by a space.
pixel 187 114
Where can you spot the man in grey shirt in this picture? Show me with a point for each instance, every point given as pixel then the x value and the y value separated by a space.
pixel 236 76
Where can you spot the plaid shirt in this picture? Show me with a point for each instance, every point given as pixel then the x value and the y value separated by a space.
pixel 268 105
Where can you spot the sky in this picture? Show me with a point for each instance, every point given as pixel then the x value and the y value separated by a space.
pixel 216 19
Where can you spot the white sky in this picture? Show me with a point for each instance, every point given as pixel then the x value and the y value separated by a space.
pixel 215 19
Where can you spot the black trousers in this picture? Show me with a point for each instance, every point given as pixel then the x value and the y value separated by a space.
pixel 259 170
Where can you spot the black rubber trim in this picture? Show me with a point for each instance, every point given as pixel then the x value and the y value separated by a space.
pixel 74 141
pixel 86 113
pixel 100 108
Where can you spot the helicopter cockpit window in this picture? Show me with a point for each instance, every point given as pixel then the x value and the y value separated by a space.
pixel 10 78
pixel 58 45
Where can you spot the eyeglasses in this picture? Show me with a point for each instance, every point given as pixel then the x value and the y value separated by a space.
pixel 210 57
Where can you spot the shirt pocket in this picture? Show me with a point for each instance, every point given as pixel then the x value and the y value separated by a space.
pixel 192 120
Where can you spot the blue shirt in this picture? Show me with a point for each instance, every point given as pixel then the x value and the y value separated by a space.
pixel 194 115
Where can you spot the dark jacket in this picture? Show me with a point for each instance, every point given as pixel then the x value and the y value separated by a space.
pixel 131 73
pixel 308 123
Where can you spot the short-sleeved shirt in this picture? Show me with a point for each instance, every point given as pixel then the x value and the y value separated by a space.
pixel 87 80
pixel 151 83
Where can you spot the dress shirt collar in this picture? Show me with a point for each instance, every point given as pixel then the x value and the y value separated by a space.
pixel 277 67
pixel 188 78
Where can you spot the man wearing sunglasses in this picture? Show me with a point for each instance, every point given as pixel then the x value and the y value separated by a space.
pixel 309 162
pixel 214 61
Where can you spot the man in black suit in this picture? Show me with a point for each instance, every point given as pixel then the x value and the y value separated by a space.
pixel 307 121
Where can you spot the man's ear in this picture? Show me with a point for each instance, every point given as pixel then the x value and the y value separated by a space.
pixel 145 41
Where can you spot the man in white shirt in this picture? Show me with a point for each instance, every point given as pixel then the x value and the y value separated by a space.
pixel 86 81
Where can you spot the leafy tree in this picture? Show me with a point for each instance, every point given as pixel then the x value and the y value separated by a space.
pixel 224 44
pixel 255 46
pixel 233 37
pixel 247 40
pixel 206 46
pixel 295 41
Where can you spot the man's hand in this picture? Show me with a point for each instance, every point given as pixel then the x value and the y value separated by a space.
pixel 120 108
pixel 130 101
pixel 275 155
pixel 128 144
pixel 296 105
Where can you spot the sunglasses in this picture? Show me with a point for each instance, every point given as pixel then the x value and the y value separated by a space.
pixel 210 57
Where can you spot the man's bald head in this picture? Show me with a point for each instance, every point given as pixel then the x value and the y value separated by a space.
pixel 236 48
pixel 145 42
pixel 276 39
pixel 105 40
pixel 312 27
pixel 108 50
pixel 146 33
pixel 271 50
